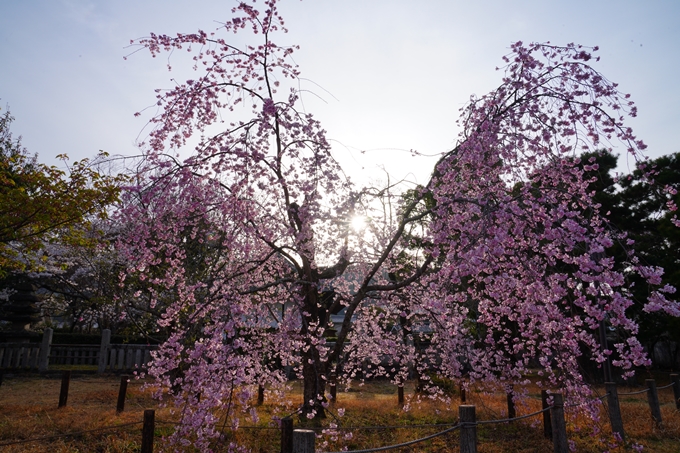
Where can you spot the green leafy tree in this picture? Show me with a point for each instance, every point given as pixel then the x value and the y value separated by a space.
pixel 650 223
pixel 41 204
pixel 641 207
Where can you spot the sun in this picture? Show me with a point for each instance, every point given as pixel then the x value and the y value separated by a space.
pixel 358 223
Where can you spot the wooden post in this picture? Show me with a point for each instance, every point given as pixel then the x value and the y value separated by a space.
pixel 44 360
pixel 260 395
pixel 303 441
pixel 400 395
pixel 614 410
pixel 559 427
pixel 511 405
pixel 120 407
pixel 104 350
pixel 468 429
pixel 547 424
pixel 420 384
pixel 676 390
pixel 138 359
pixel 18 362
pixel 461 388
pixel 63 394
pixel 120 362
pixel 129 357
pixel 653 399
pixel 147 431
pixel 35 358
pixel 287 435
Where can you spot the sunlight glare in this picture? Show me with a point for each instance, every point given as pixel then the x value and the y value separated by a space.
pixel 358 223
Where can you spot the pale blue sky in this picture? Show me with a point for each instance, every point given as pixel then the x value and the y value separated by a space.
pixel 398 70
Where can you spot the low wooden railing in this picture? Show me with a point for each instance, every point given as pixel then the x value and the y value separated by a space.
pixel 106 356
pixel 20 356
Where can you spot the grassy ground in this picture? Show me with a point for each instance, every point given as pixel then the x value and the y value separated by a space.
pixel 28 410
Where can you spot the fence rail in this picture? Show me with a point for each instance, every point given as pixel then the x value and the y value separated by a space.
pixel 20 356
pixel 128 357
pixel 74 354
pixel 106 356
pixel 303 440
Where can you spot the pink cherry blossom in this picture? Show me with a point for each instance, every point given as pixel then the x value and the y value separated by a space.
pixel 245 248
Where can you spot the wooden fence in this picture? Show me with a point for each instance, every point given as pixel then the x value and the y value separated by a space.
pixel 303 440
pixel 106 356
pixel 148 423
pixel 19 355
pixel 554 426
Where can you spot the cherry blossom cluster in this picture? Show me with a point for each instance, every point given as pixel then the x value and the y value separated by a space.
pixel 239 237
pixel 521 241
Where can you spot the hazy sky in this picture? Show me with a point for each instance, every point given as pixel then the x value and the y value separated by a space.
pixel 392 74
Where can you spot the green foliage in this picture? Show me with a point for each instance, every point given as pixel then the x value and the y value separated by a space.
pixel 638 207
pixel 41 204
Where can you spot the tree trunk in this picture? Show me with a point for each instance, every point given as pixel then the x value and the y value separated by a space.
pixel 313 369
pixel 314 385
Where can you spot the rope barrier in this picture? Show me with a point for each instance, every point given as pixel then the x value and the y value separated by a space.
pixel 634 393
pixel 167 422
pixel 406 444
pixel 347 428
pixel 340 428
pixel 481 422
pixel 646 390
pixel 79 433
pixel 599 398
pixel 506 420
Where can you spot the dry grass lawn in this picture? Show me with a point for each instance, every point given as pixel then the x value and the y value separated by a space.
pixel 28 410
